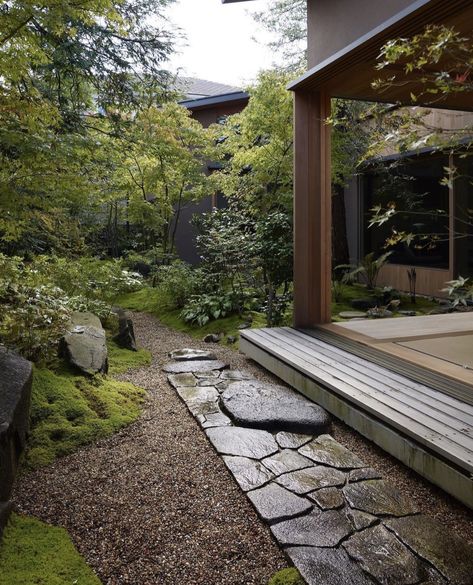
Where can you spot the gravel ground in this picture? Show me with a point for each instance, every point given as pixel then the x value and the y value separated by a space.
pixel 154 504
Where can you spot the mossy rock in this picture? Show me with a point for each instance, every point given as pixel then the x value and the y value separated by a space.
pixel 34 553
pixel 289 576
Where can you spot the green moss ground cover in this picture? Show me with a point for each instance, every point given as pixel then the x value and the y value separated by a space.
pixel 34 553
pixel 289 576
pixel 69 410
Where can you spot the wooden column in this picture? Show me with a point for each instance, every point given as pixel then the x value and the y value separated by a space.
pixel 312 210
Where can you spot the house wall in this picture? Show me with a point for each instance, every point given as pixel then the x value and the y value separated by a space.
pixel 186 233
pixel 334 24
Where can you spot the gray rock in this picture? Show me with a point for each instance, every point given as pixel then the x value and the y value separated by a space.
pixel 268 406
pixel 183 380
pixel 274 503
pixel 201 401
pixel 351 315
pixel 292 440
pixel 126 334
pixel 185 355
pixel 84 344
pixel 286 461
pixel 384 557
pixel 446 551
pixel 408 313
pixel 5 511
pixel 322 566
pixel 194 366
pixel 231 339
pixel 307 480
pixel 363 474
pixel 326 450
pixel 323 529
pixel 243 326
pixel 249 474
pixel 15 396
pixel 328 498
pixel 236 375
pixel 208 374
pixel 214 419
pixel 377 497
pixel 212 338
pixel 360 520
pixel 242 442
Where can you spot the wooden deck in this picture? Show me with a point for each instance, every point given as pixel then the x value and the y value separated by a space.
pixel 427 429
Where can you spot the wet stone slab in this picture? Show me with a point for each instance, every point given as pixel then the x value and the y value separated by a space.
pixel 363 474
pixel 286 461
pixel 185 355
pixel 214 419
pixel 378 498
pixel 249 474
pixel 327 451
pixel 183 380
pixel 360 520
pixel 292 440
pixel 234 375
pixel 251 443
pixel 274 503
pixel 208 374
pixel 312 478
pixel 276 408
pixel 384 557
pixel 328 498
pixel 446 551
pixel 321 529
pixel 322 566
pixel 194 366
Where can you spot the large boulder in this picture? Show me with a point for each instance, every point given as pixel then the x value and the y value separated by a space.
pixel 15 395
pixel 273 408
pixel 126 335
pixel 84 344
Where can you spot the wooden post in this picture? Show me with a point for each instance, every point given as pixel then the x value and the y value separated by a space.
pixel 312 210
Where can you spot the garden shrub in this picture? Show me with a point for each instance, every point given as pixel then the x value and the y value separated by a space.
pixel 204 308
pixel 177 283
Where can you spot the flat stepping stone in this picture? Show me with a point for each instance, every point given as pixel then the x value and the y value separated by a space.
pixel 292 440
pixel 268 406
pixel 326 450
pixel 209 374
pixel 200 401
pixel 214 419
pixel 352 315
pixel 194 366
pixel 185 355
pixel 363 474
pixel 322 566
pixel 384 557
pixel 249 474
pixel 236 375
pixel 378 498
pixel 183 380
pixel 360 520
pixel 446 551
pixel 328 498
pixel 286 461
pixel 307 480
pixel 273 503
pixel 315 529
pixel 242 442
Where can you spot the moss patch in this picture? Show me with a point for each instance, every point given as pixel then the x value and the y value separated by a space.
pixel 34 553
pixel 147 300
pixel 289 576
pixel 68 411
pixel 120 360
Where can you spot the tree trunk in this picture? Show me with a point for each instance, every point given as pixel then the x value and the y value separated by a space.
pixel 340 252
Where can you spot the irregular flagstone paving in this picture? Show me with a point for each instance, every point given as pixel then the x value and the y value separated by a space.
pixel 334 516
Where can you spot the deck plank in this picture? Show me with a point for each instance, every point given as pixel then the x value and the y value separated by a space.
pixel 341 373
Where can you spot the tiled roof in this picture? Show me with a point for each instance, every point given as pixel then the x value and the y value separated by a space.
pixel 194 88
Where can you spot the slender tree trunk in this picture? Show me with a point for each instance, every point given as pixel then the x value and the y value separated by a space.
pixel 340 252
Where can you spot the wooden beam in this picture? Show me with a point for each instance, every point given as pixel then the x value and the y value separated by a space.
pixel 312 210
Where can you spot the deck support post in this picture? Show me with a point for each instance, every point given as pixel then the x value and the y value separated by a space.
pixel 312 210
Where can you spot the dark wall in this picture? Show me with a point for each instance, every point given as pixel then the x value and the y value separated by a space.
pixel 334 24
pixel 211 114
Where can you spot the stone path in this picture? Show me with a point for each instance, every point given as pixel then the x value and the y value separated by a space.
pixel 334 516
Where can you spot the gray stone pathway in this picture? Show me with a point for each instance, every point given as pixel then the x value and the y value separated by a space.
pixel 334 516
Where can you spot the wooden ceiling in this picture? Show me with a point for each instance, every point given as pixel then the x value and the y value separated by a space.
pixel 350 73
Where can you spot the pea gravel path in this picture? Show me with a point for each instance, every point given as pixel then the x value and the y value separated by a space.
pixel 154 504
